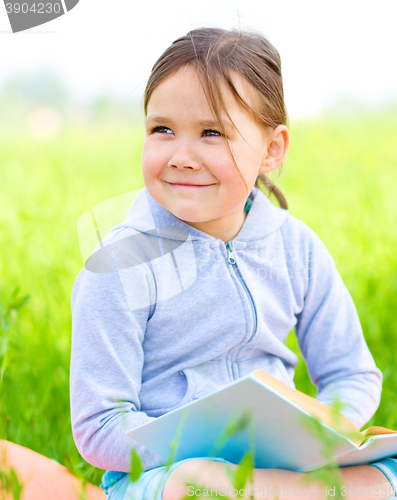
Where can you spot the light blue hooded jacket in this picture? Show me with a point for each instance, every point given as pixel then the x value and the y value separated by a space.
pixel 164 314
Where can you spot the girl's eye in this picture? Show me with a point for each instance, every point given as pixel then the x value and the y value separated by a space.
pixel 161 130
pixel 210 133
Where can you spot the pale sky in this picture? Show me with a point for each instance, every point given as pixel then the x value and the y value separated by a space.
pixel 328 48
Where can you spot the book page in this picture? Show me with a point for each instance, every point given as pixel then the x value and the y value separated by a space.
pixel 375 430
pixel 316 409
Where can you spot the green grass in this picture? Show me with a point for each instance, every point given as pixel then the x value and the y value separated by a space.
pixel 340 178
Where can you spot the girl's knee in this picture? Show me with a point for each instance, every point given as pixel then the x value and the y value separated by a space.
pixel 175 487
pixel 186 474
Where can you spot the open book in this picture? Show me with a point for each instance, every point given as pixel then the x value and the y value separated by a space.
pixel 284 427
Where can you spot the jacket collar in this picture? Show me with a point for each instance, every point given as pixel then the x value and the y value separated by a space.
pixel 146 215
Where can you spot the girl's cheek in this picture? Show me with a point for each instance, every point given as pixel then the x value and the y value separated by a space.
pixel 226 169
pixel 151 160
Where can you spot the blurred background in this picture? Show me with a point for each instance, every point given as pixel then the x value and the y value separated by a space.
pixel 71 133
pixel 93 62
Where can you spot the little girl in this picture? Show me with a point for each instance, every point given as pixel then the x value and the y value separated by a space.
pixel 205 278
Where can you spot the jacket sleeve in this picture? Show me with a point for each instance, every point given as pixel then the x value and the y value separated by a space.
pixel 106 369
pixel 331 340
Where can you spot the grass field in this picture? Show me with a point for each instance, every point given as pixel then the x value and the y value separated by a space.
pixel 340 178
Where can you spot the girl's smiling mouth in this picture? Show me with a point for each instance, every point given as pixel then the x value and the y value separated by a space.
pixel 188 186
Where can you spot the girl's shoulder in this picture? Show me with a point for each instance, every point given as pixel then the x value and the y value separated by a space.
pixel 295 229
pixel 300 241
pixel 268 219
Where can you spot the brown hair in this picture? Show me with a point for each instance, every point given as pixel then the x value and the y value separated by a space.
pixel 215 53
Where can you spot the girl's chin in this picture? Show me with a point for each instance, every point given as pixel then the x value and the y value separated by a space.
pixel 192 218
pixel 187 212
pixel 196 217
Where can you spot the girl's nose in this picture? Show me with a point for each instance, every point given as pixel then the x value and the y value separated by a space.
pixel 184 157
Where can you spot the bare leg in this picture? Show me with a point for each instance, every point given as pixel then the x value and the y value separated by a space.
pixel 361 482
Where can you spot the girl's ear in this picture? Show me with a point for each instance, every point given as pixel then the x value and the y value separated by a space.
pixel 277 146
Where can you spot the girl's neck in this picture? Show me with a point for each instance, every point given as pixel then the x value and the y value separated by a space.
pixel 222 228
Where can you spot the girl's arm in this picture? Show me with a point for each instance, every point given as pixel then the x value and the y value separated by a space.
pixel 331 340
pixel 106 370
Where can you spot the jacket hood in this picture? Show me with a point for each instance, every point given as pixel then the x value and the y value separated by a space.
pixel 147 216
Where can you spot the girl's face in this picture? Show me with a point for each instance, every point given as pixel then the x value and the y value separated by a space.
pixel 186 165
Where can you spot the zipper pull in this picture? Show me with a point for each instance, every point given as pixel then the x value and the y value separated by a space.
pixel 230 255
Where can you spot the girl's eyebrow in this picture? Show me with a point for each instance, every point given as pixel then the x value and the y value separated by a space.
pixel 161 120
pixel 158 120
pixel 214 124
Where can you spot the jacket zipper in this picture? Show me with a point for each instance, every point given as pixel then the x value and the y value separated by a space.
pixel 232 261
